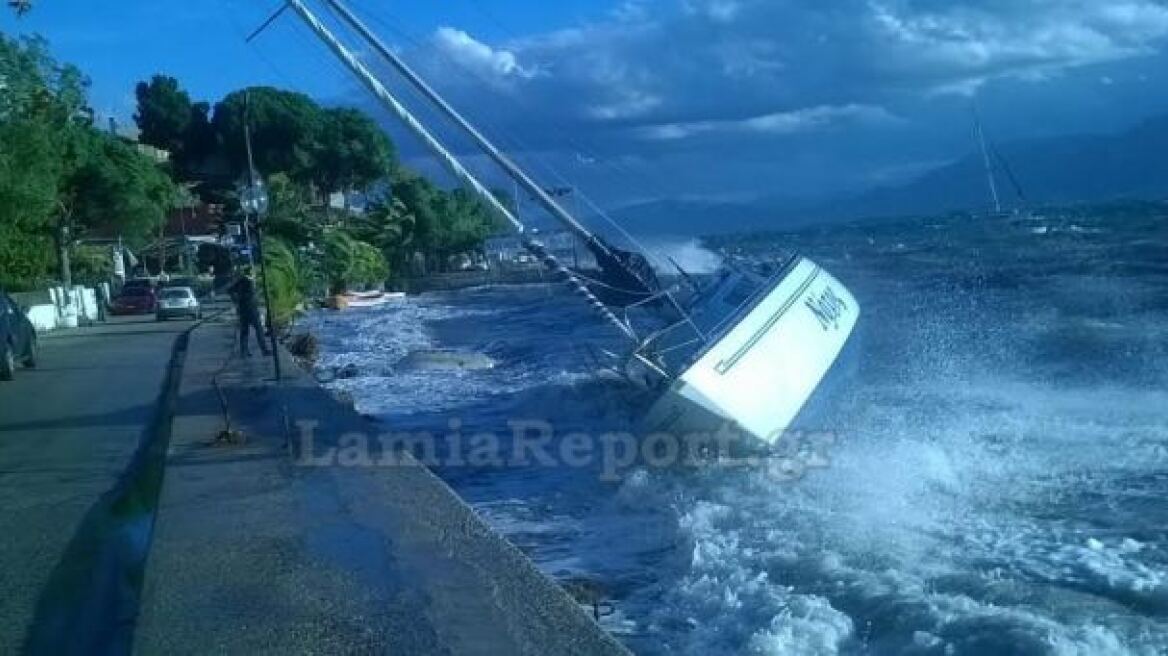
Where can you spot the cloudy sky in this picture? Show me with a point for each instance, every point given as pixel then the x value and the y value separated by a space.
pixel 644 99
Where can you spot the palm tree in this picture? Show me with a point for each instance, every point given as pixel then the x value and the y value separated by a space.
pixel 390 226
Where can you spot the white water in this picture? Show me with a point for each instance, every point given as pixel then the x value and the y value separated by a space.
pixel 997 486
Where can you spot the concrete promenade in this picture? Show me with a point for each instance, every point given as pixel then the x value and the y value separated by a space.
pixel 253 553
pixel 127 527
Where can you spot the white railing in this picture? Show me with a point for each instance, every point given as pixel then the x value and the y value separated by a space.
pixel 66 309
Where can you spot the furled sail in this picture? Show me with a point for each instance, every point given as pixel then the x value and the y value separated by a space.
pixel 626 277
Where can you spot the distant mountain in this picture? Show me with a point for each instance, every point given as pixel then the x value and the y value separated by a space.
pixel 694 217
pixel 1078 168
pixel 1132 164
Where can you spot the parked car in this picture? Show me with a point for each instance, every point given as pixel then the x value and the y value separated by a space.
pixel 18 338
pixel 134 300
pixel 178 302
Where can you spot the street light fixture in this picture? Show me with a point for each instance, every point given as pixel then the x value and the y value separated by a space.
pixel 254 197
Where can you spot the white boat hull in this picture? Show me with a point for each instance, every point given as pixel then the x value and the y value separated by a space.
pixel 371 300
pixel 762 372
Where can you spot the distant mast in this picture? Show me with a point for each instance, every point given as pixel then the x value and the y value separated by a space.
pixel 989 166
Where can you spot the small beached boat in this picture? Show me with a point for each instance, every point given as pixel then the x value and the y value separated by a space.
pixel 371 299
pixel 352 300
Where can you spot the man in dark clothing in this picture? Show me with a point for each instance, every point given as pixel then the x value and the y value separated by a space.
pixel 247 311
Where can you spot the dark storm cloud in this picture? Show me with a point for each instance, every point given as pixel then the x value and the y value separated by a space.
pixel 661 83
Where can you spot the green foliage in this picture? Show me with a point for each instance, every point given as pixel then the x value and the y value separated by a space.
pixel 285 127
pixel 41 109
pixel 57 171
pixel 92 264
pixel 390 226
pixel 164 114
pixel 36 87
pixel 28 201
pixel 348 263
pixel 290 215
pixel 200 141
pixel 291 134
pixel 115 189
pixel 353 151
pixel 444 223
pixel 369 266
pixel 286 284
pixel 469 222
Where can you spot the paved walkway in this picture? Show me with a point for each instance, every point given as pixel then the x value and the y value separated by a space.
pixel 69 431
pixel 253 553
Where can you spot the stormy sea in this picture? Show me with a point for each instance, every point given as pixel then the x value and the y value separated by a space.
pixel 998 481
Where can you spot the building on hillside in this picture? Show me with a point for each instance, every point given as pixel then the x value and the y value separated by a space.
pixel 130 134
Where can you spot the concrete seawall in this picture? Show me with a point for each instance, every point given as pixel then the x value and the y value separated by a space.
pixel 253 552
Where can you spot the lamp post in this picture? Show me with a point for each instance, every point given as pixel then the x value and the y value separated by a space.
pixel 255 205
pixel 254 201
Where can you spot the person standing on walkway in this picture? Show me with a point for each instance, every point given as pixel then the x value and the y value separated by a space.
pixel 247 312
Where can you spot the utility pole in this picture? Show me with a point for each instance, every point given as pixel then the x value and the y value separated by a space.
pixel 162 249
pixel 63 238
pixel 257 204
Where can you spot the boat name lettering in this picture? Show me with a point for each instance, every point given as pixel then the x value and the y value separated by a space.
pixel 827 308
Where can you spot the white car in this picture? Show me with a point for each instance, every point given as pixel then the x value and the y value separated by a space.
pixel 178 302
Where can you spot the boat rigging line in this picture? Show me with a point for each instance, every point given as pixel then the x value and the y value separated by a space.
pixel 627 269
pixel 622 173
pixel 455 168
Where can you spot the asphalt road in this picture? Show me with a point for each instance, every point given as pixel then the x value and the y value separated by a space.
pixel 68 431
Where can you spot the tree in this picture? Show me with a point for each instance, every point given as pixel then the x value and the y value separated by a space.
pixel 289 212
pixel 286 283
pixel 164 114
pixel 200 141
pixel 28 201
pixel 390 226
pixel 113 188
pixel 470 222
pixel 284 130
pixel 42 108
pixel 36 87
pixel 348 262
pixel 419 197
pixel 353 151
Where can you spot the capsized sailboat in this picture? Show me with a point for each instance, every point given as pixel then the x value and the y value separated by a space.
pixel 741 350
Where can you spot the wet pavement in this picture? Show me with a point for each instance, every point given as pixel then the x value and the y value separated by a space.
pixel 69 431
pixel 255 551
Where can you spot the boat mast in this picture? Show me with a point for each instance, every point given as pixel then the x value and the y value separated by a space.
pixel 453 166
pixel 989 167
pixel 520 176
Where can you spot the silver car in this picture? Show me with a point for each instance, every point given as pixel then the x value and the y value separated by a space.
pixel 178 302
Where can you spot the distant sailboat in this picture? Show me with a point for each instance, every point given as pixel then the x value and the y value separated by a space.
pixel 992 159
